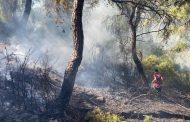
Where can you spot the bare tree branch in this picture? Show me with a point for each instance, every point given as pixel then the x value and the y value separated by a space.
pixel 152 31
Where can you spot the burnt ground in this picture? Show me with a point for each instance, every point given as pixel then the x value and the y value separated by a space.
pixel 171 106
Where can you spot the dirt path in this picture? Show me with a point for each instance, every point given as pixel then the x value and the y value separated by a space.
pixel 134 105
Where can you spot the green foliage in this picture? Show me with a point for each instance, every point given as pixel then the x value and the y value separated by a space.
pixel 162 63
pixel 180 15
pixel 170 71
pixel 165 64
pixel 180 46
pixel 148 118
pixel 98 115
pixel 180 29
pixel 150 62
pixel 179 12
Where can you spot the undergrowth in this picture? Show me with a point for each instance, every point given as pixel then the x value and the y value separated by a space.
pixel 173 75
pixel 98 115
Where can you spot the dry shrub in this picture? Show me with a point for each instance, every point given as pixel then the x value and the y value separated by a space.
pixel 27 88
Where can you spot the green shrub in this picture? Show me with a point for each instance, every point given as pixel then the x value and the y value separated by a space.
pixel 150 62
pixel 180 46
pixel 98 115
pixel 148 118
pixel 162 63
pixel 172 74
pixel 165 65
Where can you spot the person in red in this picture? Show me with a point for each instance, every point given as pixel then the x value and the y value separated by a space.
pixel 157 80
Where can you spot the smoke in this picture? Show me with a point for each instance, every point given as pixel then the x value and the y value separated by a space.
pixel 181 58
pixel 44 36
pixel 99 47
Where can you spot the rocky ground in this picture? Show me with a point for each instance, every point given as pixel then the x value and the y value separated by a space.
pixel 169 107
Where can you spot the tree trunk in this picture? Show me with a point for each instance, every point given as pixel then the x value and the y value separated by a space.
pixel 135 57
pixel 26 13
pixel 74 63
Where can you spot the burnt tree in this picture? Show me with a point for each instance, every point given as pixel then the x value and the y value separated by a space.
pixel 133 20
pixel 76 58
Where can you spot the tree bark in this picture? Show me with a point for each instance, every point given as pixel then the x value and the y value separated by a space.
pixel 74 63
pixel 26 13
pixel 135 57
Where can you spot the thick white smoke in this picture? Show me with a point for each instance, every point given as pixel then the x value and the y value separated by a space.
pixel 44 36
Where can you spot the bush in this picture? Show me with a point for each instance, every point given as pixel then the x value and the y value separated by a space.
pixel 98 115
pixel 180 46
pixel 162 63
pixel 26 89
pixel 172 74
pixel 150 62
pixel 148 118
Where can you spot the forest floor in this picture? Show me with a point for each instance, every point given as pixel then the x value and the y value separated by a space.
pixel 171 106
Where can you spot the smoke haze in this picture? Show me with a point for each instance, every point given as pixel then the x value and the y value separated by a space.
pixel 44 36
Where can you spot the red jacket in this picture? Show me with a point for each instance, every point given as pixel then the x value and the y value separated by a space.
pixel 157 79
